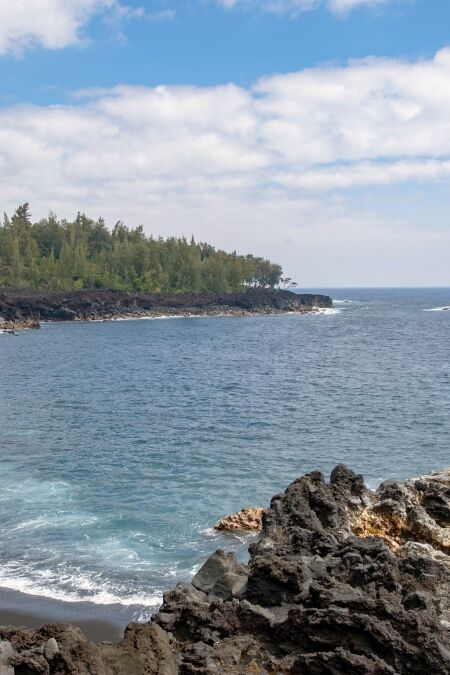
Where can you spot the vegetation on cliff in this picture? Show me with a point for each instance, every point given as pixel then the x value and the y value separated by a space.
pixel 84 253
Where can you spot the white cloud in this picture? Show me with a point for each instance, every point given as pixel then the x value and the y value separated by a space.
pixel 342 6
pixel 247 168
pixel 54 24
pixel 295 7
pixel 162 15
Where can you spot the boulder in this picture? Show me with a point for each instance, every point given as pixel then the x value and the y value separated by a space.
pixel 50 649
pixel 212 573
pixel 144 650
pixel 245 520
pixel 6 654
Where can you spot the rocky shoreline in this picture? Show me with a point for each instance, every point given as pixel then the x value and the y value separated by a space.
pixel 26 308
pixel 342 580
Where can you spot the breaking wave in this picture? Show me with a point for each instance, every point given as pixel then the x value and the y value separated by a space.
pixel 72 585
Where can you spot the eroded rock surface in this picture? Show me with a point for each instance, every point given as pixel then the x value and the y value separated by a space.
pixel 321 599
pixel 342 581
pixel 60 649
pixel 245 520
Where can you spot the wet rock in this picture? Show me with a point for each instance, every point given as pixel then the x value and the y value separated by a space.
pixel 246 520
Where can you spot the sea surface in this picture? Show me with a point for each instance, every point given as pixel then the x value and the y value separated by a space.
pixel 121 443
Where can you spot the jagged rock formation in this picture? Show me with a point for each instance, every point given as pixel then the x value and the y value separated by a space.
pixel 62 649
pixel 245 520
pixel 320 599
pixel 25 305
pixel 342 581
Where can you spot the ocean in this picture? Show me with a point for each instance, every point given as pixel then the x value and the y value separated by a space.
pixel 123 442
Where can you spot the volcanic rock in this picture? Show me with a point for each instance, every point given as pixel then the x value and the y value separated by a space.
pixel 22 308
pixel 342 580
pixel 245 520
pixel 144 650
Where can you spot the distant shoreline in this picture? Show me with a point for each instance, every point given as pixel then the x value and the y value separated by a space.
pixel 26 308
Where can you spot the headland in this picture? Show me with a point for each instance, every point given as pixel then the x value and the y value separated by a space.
pixel 26 308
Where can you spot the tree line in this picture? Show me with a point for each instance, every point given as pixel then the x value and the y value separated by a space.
pixel 84 253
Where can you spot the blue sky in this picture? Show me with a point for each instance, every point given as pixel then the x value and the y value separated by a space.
pixel 206 44
pixel 314 132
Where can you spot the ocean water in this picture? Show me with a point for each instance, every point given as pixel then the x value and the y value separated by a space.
pixel 122 443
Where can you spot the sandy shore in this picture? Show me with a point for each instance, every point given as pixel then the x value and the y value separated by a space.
pixel 98 622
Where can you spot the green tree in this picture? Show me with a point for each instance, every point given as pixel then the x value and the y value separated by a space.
pixel 84 253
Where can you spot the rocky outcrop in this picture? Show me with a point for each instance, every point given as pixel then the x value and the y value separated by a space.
pixel 24 305
pixel 322 593
pixel 63 650
pixel 12 325
pixel 245 520
pixel 342 581
pixel 417 510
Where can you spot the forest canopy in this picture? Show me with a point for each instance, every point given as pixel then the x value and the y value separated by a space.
pixel 84 253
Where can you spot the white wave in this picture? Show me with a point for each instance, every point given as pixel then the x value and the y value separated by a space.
pixel 55 520
pixel 80 588
pixel 162 317
pixel 209 532
pixel 341 302
pixel 143 615
pixel 446 308
pixel 327 311
pixel 194 569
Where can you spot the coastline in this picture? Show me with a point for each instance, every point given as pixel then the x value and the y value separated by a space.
pixel 27 308
pixel 335 583
pixel 11 327
pixel 98 622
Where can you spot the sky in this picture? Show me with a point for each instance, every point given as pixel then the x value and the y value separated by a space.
pixel 312 132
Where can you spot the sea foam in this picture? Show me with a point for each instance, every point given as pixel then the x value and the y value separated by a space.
pixel 79 587
pixel 327 311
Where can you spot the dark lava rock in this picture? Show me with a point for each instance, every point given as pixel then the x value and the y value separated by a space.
pixel 60 649
pixel 320 599
pixel 24 305
pixel 342 581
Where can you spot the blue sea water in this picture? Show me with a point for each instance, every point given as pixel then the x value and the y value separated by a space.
pixel 123 442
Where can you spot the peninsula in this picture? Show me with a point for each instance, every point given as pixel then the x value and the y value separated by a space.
pixel 26 308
